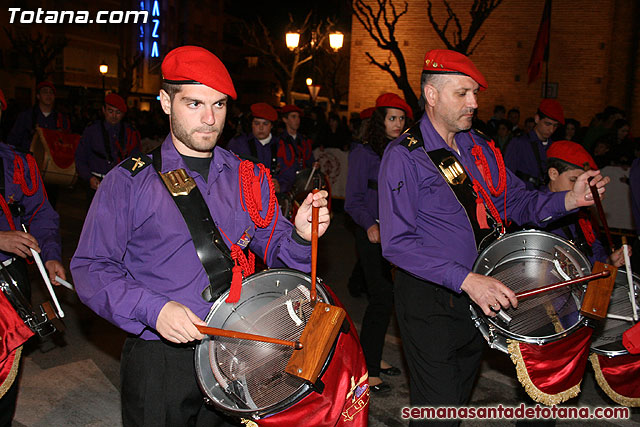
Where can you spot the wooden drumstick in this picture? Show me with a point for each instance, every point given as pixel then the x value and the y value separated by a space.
pixel 297 345
pixel 558 285
pixel 315 215
pixel 603 219
pixel 627 264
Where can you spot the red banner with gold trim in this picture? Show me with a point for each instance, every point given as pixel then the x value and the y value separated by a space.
pixel 62 146
pixel 552 373
pixel 619 377
pixel 13 333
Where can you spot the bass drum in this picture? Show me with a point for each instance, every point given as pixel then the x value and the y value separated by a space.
pixel 527 260
pixel 607 338
pixel 304 183
pixel 247 379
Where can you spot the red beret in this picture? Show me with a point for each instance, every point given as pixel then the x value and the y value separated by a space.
pixel 443 61
pixel 367 113
pixel 46 84
pixel 290 108
pixel 3 101
pixel 264 111
pixel 194 64
pixel 572 153
pixel 116 101
pixel 394 101
pixel 552 109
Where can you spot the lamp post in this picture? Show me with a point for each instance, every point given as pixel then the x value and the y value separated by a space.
pixel 104 69
pixel 313 90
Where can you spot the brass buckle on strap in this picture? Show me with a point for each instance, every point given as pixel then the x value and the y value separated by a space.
pixel 178 182
pixel 452 170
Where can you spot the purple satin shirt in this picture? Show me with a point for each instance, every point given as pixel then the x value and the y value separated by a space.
pixel 135 252
pixel 91 155
pixel 241 145
pixel 521 158
pixel 423 228
pixel 361 201
pixel 44 225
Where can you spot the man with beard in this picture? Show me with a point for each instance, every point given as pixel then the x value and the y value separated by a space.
pixel 441 189
pixel 137 262
pixel 526 155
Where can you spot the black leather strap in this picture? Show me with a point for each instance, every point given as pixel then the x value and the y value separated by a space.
pixel 214 255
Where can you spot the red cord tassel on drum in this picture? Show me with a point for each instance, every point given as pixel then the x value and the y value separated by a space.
pixel 243 267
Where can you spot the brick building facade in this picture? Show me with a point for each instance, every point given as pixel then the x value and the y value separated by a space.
pixel 594 46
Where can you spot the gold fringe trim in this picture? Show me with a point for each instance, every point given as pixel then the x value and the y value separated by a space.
pixel 604 385
pixel 12 373
pixel 534 392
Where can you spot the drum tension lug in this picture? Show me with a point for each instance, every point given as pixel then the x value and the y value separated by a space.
pixel 318 386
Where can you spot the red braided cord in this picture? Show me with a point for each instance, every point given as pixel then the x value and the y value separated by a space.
pixel 18 174
pixel 7 212
pixel 483 167
pixel 247 265
pixel 246 178
pixel 587 229
pixel 282 152
pixel 482 193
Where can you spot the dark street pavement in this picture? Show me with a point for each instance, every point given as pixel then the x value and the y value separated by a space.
pixel 76 382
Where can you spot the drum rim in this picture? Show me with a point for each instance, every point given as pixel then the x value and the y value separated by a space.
pixel 623 351
pixel 304 390
pixel 494 327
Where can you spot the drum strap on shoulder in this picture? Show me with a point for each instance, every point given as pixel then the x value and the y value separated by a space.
pixel 214 255
pixel 456 176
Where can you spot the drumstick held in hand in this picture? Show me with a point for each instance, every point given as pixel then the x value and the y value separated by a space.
pixel 315 214
pixel 603 219
pixel 553 286
pixel 207 330
pixel 627 264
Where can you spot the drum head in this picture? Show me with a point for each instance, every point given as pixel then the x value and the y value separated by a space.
pixel 248 378
pixel 607 338
pixel 527 260
pixel 304 183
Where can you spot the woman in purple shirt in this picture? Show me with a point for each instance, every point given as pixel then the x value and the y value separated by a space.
pixel 387 123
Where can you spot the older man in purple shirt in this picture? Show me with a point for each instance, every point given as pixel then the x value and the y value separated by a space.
pixel 430 224
pixel 136 264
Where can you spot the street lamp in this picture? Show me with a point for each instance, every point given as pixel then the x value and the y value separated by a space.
pixel 313 90
pixel 104 69
pixel 292 39
pixel 335 40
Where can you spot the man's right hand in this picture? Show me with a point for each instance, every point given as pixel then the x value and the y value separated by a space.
pixel 488 293
pixel 94 183
pixel 176 323
pixel 373 233
pixel 18 243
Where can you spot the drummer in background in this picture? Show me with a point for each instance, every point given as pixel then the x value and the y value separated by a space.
pixel 294 149
pixel 260 146
pixel 432 237
pixel 361 202
pixel 24 202
pixel 136 264
pixel 566 161
pixel 105 143
pixel 44 115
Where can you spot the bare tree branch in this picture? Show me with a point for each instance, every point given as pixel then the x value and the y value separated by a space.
pixel 38 50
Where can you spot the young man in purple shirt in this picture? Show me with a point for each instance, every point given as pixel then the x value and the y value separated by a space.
pixel 105 143
pixel 441 187
pixel 526 155
pixel 136 264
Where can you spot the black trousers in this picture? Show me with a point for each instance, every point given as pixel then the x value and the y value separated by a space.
pixel 377 315
pixel 159 386
pixel 442 346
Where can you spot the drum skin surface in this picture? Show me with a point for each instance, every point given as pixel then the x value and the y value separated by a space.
pixel 247 379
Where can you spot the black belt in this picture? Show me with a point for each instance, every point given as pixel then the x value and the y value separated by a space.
pixel 372 184
pixel 214 255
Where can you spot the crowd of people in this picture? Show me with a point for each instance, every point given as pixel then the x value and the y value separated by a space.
pixel 531 173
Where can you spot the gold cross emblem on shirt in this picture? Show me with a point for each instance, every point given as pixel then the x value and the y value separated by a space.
pixel 412 141
pixel 138 163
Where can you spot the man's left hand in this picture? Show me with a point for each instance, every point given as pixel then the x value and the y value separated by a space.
pixel 55 268
pixel 581 195
pixel 302 220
